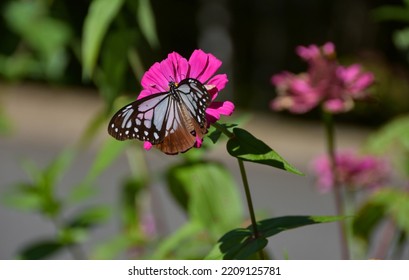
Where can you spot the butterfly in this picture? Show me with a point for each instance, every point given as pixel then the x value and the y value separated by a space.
pixel 171 121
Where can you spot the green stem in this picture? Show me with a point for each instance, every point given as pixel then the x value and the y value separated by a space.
pixel 248 197
pixel 339 205
pixel 223 129
pixel 246 186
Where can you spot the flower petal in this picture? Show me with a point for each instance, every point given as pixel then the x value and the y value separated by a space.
pixel 216 109
pixel 147 145
pixel 174 68
pixel 219 81
pixel 154 80
pixel 203 66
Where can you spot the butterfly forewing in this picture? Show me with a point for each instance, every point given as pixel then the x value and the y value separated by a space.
pixel 142 119
pixel 170 120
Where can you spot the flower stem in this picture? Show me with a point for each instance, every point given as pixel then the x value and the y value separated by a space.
pixel 246 186
pixel 256 233
pixel 339 205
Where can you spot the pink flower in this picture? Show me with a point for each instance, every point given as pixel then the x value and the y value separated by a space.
pixel 325 83
pixel 353 171
pixel 201 66
pixel 294 93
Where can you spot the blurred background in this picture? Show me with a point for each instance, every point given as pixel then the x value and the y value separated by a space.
pixel 65 68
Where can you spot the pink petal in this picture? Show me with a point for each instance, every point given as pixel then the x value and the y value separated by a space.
pixel 308 53
pixel 219 81
pixel 174 68
pixel 328 49
pixel 203 66
pixel 199 142
pixel 348 73
pixel 336 106
pixel 153 79
pixel 364 81
pixel 281 78
pixel 147 145
pixel 216 109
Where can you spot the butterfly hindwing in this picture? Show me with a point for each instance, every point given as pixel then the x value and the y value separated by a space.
pixel 172 121
pixel 196 98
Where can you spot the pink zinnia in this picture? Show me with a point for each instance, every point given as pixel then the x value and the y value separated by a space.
pixel 354 171
pixel 175 68
pixel 325 83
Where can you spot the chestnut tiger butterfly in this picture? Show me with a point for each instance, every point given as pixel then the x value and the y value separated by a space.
pixel 171 121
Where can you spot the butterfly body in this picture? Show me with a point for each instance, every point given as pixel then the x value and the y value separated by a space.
pixel 172 121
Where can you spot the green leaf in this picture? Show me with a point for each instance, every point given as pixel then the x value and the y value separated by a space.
pixel 209 193
pixel 90 217
pixel 401 38
pixel 109 151
pixel 386 203
pixel 392 140
pixel 23 197
pixel 40 250
pixel 100 15
pixel 394 134
pixel 112 249
pixel 80 193
pixel 241 244
pixel 59 165
pixel 270 227
pixel 177 240
pixel 131 192
pixel 111 75
pixel 45 36
pixel 246 147
pixel 366 220
pixel 146 20
pixel 389 12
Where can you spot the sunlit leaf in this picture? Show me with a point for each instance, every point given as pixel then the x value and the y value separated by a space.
pixel 166 248
pixel 248 148
pixel 389 136
pixel 109 151
pixel 146 20
pixel 23 197
pixel 100 15
pixel 208 192
pixel 113 248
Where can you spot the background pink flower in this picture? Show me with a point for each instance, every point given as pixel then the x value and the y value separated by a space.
pixel 354 171
pixel 325 82
pixel 201 66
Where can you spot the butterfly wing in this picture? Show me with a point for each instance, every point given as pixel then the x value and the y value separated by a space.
pixel 184 133
pixel 142 119
pixel 196 99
